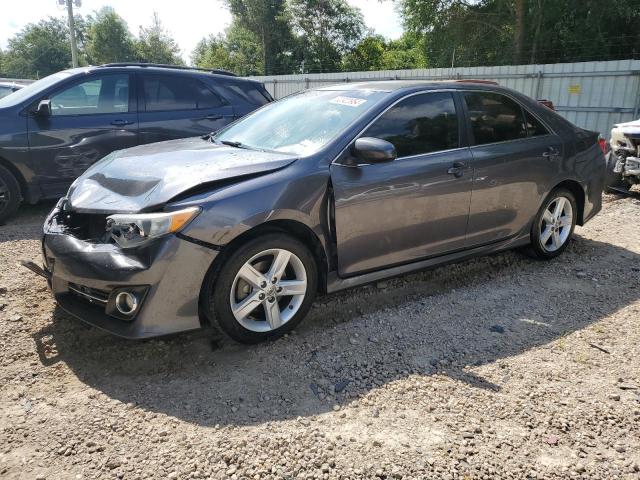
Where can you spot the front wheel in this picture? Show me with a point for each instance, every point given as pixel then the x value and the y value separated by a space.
pixel 9 194
pixel 554 224
pixel 263 290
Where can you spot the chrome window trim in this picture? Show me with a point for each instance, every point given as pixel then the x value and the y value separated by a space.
pixel 423 92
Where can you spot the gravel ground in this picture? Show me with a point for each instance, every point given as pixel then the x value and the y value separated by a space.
pixel 500 367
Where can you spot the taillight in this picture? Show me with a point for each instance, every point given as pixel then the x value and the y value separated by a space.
pixel 603 143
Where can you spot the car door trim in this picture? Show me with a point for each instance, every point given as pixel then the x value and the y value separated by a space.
pixel 335 282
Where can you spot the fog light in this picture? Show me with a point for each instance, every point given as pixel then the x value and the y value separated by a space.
pixel 126 303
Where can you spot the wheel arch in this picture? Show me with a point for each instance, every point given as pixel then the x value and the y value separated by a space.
pixel 18 176
pixel 293 228
pixel 578 192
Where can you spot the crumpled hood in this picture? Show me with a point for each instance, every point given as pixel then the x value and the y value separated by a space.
pixel 148 176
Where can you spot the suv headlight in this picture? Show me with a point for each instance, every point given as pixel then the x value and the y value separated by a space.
pixel 131 230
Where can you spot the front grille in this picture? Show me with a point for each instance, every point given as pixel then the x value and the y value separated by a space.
pixel 90 227
pixel 92 295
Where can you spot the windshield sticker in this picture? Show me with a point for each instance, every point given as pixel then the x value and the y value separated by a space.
pixel 350 101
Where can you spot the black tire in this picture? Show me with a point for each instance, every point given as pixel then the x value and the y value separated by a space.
pixel 539 248
pixel 613 181
pixel 219 282
pixel 10 197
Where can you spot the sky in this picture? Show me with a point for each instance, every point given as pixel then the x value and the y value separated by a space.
pixel 187 20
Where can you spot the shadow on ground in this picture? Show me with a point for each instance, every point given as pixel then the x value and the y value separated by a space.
pixel 26 224
pixel 443 320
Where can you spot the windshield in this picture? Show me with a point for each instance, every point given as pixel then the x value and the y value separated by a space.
pixel 25 93
pixel 301 124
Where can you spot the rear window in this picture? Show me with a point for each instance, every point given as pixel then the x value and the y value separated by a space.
pixel 494 117
pixel 249 92
pixel 166 92
pixel 534 127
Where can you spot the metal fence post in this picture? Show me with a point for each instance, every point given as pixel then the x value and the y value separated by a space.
pixel 539 77
pixel 636 106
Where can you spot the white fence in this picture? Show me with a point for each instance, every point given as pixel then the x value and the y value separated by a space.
pixel 21 81
pixel 593 95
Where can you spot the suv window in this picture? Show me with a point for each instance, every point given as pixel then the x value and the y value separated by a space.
pixel 99 95
pixel 165 92
pixel 419 124
pixel 250 93
pixel 534 127
pixel 494 117
pixel 4 91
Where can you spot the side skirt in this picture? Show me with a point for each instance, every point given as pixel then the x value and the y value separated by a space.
pixel 335 283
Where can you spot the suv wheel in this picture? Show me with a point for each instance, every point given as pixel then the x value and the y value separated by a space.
pixel 9 194
pixel 263 290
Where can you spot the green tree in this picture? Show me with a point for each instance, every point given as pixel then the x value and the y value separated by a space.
pixel 494 32
pixel 155 44
pixel 238 51
pixel 38 50
pixel 404 53
pixel 269 23
pixel 367 55
pixel 327 29
pixel 108 38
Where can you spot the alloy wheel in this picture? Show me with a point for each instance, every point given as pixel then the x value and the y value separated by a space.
pixel 268 290
pixel 556 223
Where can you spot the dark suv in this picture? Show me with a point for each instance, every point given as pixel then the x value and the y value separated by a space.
pixel 52 130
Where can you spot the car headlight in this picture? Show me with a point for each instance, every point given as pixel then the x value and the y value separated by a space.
pixel 131 230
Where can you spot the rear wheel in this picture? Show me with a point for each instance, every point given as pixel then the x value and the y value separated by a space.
pixel 263 290
pixel 554 224
pixel 9 194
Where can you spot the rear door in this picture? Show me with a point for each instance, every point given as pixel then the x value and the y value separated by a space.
pixel 516 158
pixel 178 106
pixel 414 207
pixel 90 117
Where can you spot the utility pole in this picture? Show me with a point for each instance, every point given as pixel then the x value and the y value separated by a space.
pixel 72 30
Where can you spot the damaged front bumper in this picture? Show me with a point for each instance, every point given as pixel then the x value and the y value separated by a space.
pixel 143 292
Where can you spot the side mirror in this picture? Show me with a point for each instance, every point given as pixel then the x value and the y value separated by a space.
pixel 44 108
pixel 374 150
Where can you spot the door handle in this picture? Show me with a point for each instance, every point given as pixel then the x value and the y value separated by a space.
pixel 121 123
pixel 551 153
pixel 212 117
pixel 457 170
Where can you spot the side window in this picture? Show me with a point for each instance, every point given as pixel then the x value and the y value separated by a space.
pixel 494 117
pixel 534 127
pixel 205 98
pixel 249 92
pixel 419 124
pixel 104 94
pixel 165 92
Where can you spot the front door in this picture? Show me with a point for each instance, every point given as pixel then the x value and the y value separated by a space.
pixel 414 207
pixel 516 159
pixel 177 106
pixel 89 119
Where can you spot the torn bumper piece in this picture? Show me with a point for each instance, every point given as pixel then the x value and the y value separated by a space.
pixel 144 292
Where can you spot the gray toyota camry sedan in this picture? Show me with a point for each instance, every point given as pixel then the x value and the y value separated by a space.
pixel 321 191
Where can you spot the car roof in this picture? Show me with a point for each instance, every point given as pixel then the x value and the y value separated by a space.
pixel 395 85
pixel 161 68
